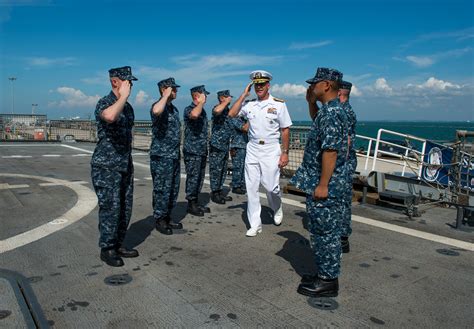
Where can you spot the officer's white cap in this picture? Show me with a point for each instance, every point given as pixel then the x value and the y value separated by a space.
pixel 260 76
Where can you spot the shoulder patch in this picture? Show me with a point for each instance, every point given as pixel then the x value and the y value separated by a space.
pixel 279 100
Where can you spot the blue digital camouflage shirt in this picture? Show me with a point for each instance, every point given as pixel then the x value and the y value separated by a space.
pixel 221 131
pixel 166 132
pixel 328 132
pixel 195 132
pixel 239 139
pixel 351 121
pixel 114 148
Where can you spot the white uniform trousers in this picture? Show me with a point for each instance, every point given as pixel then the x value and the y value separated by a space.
pixel 261 166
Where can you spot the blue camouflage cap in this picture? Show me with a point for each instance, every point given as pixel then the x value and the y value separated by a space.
pixel 165 83
pixel 225 93
pixel 324 73
pixel 123 73
pixel 199 89
pixel 345 85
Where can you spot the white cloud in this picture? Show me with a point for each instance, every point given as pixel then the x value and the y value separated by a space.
pixel 308 45
pixel 355 91
pixel 420 61
pixel 228 59
pixel 198 69
pixel 295 90
pixel 48 62
pixel 431 87
pixel 382 86
pixel 74 98
pixel 141 98
pixel 428 60
pixel 435 86
pixel 289 90
pixel 458 35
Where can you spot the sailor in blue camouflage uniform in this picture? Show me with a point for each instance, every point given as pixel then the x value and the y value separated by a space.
pixel 112 166
pixel 195 148
pixel 238 146
pixel 322 176
pixel 165 156
pixel 219 147
pixel 344 94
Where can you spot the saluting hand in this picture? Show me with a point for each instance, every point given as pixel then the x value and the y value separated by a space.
pixel 167 92
pixel 247 90
pixel 201 99
pixel 310 96
pixel 227 100
pixel 125 89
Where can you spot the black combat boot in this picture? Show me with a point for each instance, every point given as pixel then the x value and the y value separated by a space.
pixel 173 225
pixel 110 257
pixel 194 209
pixel 163 227
pixel 319 288
pixel 127 253
pixel 225 197
pixel 217 198
pixel 238 190
pixel 204 209
pixel 346 248
pixel 308 278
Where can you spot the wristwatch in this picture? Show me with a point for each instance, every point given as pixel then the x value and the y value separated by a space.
pixel 286 151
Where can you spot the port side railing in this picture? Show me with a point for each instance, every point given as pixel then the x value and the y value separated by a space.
pixel 403 153
pixel 390 151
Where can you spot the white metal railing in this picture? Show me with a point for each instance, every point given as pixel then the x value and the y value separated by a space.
pixel 411 156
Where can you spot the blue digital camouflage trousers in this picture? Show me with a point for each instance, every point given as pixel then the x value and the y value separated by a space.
pixel 346 228
pixel 217 167
pixel 324 225
pixel 114 191
pixel 165 173
pixel 238 168
pixel 195 166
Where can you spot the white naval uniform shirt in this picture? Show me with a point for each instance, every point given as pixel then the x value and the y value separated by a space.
pixel 266 118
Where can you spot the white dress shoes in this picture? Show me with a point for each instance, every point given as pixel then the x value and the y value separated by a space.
pixel 253 231
pixel 278 217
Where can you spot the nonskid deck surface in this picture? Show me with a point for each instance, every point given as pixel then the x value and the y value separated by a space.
pixel 399 273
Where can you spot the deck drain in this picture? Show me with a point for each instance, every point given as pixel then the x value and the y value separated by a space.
pixel 4 314
pixel 447 252
pixel 323 303
pixel 34 279
pixel 118 279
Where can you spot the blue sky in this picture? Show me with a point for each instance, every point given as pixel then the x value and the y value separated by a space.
pixel 408 60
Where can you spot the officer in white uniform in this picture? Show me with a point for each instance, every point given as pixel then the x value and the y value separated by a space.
pixel 268 119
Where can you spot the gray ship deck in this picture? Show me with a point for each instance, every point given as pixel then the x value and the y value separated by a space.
pixel 399 273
